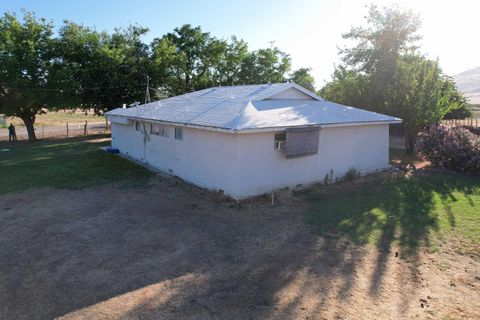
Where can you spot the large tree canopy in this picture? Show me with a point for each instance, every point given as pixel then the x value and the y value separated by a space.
pixel 102 70
pixel 383 71
pixel 84 68
pixel 26 51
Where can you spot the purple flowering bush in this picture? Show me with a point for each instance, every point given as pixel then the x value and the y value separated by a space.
pixel 456 149
pixel 474 130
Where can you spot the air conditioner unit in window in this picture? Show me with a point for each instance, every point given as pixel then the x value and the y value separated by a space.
pixel 279 145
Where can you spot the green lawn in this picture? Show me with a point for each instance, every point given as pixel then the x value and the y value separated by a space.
pixel 70 163
pixel 426 209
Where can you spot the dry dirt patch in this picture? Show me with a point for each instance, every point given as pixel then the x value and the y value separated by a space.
pixel 167 253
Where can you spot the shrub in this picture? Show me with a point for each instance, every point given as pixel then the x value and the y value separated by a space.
pixel 474 130
pixel 351 174
pixel 451 148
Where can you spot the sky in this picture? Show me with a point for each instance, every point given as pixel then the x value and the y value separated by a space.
pixel 309 30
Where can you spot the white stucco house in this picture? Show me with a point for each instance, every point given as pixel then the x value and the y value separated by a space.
pixel 252 139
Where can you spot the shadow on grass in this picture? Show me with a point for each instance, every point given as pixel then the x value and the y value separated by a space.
pixel 402 211
pixel 87 257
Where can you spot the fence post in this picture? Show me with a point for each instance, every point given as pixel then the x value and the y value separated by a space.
pixel 85 128
pixel 67 129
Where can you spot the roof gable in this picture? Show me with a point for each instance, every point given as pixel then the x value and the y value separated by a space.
pixel 290 91
pixel 290 94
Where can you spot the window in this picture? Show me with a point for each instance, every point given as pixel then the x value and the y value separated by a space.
pixel 279 141
pixel 301 142
pixel 159 130
pixel 178 133
pixel 138 126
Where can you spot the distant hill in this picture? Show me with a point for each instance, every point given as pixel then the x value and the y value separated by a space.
pixel 469 82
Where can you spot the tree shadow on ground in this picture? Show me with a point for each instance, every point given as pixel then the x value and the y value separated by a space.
pixel 84 254
pixel 403 212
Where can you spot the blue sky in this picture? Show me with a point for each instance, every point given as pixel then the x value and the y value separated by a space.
pixel 310 31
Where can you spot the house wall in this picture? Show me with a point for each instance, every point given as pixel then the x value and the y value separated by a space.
pixel 205 158
pixel 129 141
pixel 247 164
pixel 263 169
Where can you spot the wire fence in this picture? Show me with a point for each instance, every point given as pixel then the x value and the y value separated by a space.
pixel 60 131
pixel 472 122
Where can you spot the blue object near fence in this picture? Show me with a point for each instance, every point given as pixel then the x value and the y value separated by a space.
pixel 113 150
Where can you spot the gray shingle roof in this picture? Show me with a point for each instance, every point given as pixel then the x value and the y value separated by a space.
pixel 248 108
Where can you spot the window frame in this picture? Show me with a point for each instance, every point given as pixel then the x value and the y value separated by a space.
pixel 178 133
pixel 161 130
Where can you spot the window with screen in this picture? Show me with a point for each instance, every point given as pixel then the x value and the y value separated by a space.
pixel 178 133
pixel 159 130
pixel 301 142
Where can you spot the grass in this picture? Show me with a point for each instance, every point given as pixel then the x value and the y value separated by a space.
pixel 424 209
pixel 70 163
pixel 59 118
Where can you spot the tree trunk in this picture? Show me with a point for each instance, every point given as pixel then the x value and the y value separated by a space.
pixel 410 139
pixel 29 121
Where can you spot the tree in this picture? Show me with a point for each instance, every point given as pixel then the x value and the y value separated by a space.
pixel 83 68
pixel 26 52
pixel 187 57
pixel 99 70
pixel 460 113
pixel 264 66
pixel 384 72
pixel 303 78
pixel 390 33
pixel 347 87
pixel 227 72
pixel 422 96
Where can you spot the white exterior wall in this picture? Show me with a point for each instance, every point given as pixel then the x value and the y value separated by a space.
pixel 263 169
pixel 247 164
pixel 205 158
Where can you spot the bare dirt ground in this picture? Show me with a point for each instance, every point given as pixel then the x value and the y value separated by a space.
pixel 167 253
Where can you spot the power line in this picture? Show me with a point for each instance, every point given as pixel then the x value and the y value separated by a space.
pixel 69 90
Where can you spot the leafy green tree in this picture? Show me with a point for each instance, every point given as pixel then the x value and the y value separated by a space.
pixel 227 71
pixel 99 70
pixel 84 68
pixel 422 96
pixel 463 112
pixel 265 66
pixel 383 72
pixel 389 33
pixel 26 50
pixel 347 87
pixel 303 78
pixel 189 59
pixel 186 58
